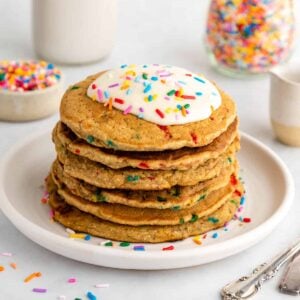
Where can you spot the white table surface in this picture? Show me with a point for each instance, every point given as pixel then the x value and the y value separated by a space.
pixel 149 31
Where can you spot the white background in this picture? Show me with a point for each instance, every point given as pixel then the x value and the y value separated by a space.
pixel 171 32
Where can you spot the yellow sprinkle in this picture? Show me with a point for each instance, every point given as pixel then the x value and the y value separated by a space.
pixel 154 96
pixel 77 235
pixel 13 265
pixel 146 99
pixel 130 72
pixel 197 240
pixel 168 110
pixel 183 111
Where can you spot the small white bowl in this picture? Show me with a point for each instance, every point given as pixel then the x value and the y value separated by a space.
pixel 31 105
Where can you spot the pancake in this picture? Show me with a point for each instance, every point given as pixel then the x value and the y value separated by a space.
pixel 73 218
pixel 136 179
pixel 177 197
pixel 127 215
pixel 111 128
pixel 181 159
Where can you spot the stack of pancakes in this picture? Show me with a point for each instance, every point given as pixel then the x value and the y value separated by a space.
pixel 120 177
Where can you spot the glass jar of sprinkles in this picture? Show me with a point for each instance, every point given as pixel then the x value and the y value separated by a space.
pixel 249 36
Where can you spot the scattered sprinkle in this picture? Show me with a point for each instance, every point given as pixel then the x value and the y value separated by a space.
pixel 215 235
pixel 197 240
pixel 39 290
pixel 246 220
pixel 168 248
pixel 2 268
pixel 139 248
pixel 32 276
pixel 13 265
pixel 72 280
pixel 124 244
pixel 91 296
pixel 77 235
pixel 6 254
pixel 102 285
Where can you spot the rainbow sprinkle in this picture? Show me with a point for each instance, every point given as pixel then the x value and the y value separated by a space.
pixel 25 76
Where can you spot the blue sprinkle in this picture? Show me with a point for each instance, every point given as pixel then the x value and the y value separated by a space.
pixel 154 78
pixel 214 93
pixel 123 66
pixel 199 93
pixel 145 66
pixel 179 106
pixel 242 202
pixel 91 296
pixel 215 235
pixel 129 92
pixel 139 248
pixel 199 79
pixel 147 88
pixel 150 98
pixel 225 229
pixel 137 78
pixel 106 94
pixel 50 66
pixel 87 237
pixel 57 76
pixel 182 82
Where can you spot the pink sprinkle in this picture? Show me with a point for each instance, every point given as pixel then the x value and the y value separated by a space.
pixel 72 280
pixel 141 109
pixel 100 94
pixel 127 110
pixel 39 290
pixel 6 254
pixel 240 208
pixel 167 98
pixel 113 85
pixel 51 214
pixel 160 71
pixel 165 75
pixel 128 77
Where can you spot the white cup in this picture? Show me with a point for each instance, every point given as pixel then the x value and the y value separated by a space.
pixel 285 103
pixel 74 31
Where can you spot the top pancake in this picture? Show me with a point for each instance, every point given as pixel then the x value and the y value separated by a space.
pixel 106 128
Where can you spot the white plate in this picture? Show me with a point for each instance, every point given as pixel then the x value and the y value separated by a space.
pixel 270 192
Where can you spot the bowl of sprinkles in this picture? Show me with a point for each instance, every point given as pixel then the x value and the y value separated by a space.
pixel 29 89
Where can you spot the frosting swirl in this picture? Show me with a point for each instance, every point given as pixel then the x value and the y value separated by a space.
pixel 161 94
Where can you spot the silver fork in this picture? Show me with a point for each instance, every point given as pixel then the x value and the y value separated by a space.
pixel 247 286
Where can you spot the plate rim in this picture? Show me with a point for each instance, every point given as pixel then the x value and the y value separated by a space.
pixel 240 242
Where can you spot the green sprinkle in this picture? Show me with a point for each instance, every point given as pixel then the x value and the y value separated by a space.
pixel 161 199
pixel 202 197
pixel 194 218
pixel 131 178
pixel 90 139
pixel 74 87
pixel 181 221
pixel 124 244
pixel 213 220
pixel 110 143
pixel 108 244
pixel 145 76
pixel 100 198
pixel 77 299
pixel 171 93
pixel 175 191
pixel 234 202
pixel 177 207
pixel 229 159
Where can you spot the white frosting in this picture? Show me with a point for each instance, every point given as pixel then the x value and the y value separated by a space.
pixel 164 95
